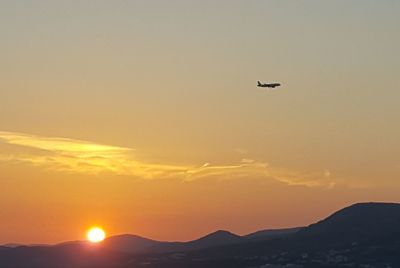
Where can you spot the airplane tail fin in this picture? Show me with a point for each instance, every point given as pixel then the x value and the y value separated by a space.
pixel 258 83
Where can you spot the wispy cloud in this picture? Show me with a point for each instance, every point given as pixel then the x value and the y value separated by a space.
pixel 70 155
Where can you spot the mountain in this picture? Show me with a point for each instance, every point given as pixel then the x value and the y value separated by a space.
pixel 273 233
pixel 136 244
pixel 60 256
pixel 214 239
pixel 361 235
pixel 357 223
pixel 130 243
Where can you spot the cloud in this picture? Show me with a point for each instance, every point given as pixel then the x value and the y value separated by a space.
pixel 69 155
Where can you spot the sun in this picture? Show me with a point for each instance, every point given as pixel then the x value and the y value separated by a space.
pixel 96 235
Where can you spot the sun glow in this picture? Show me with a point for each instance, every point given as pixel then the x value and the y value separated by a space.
pixel 96 235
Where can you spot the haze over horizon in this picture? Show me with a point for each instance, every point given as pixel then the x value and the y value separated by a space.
pixel 144 117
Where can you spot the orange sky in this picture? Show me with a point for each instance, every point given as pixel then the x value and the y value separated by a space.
pixel 144 117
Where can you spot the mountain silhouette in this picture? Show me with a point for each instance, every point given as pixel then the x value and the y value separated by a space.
pixel 130 243
pixel 361 235
pixel 214 239
pixel 136 244
pixel 273 233
pixel 357 223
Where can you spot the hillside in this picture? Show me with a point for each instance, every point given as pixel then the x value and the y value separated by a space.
pixel 361 235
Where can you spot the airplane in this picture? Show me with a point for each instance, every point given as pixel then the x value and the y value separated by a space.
pixel 272 85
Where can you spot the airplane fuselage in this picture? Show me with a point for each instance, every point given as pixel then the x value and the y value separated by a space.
pixel 271 85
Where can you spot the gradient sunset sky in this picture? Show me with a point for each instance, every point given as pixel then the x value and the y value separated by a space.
pixel 144 117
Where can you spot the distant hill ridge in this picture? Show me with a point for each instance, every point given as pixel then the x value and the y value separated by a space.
pixel 364 231
pixel 136 244
pixel 357 222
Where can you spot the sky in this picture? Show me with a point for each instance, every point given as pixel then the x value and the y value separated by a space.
pixel 144 117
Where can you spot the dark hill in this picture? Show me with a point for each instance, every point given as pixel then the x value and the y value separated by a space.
pixel 217 238
pixel 357 223
pixel 136 244
pixel 365 232
pixel 273 233
pixel 130 243
pixel 361 235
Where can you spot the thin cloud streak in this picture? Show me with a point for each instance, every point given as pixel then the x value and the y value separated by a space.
pixel 69 155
